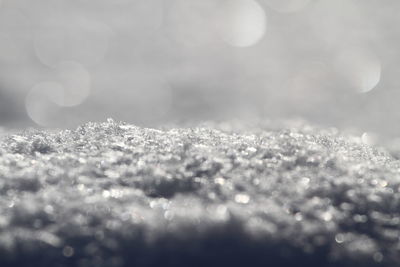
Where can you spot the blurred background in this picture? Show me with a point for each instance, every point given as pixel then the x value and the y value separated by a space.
pixel 150 62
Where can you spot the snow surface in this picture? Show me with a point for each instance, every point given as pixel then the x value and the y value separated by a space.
pixel 114 194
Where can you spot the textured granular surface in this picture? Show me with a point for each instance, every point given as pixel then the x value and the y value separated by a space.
pixel 113 194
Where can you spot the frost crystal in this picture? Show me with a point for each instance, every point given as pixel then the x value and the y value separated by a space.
pixel 113 194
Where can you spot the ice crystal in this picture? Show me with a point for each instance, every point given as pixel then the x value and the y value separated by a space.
pixel 114 194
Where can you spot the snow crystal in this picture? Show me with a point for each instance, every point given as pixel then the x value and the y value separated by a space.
pixel 114 194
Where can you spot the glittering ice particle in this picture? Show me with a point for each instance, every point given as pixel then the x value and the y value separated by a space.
pixel 242 198
pixel 368 138
pixel 78 209
pixel 340 238
pixel 219 180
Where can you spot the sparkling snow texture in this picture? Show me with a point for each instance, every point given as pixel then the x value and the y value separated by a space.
pixel 113 194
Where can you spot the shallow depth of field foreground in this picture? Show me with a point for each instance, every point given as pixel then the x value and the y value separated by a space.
pixel 114 194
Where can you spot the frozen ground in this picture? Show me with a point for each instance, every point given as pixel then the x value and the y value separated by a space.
pixel 113 194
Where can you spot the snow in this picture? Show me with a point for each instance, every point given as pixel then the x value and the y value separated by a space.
pixel 115 194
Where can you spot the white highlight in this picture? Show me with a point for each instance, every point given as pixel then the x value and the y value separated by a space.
pixel 369 138
pixel 360 67
pixel 287 6
pixel 71 88
pixel 241 23
pixel 242 198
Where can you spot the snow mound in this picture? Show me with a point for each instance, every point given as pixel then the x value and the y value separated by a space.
pixel 114 194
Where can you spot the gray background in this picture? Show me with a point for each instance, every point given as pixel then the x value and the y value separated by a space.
pixel 150 62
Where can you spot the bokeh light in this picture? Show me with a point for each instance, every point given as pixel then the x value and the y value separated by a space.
pixel 155 61
pixel 76 82
pixel 241 23
pixel 40 102
pixel 359 67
